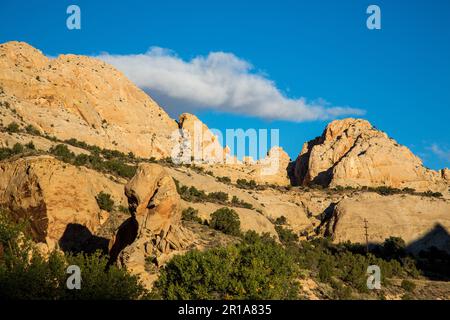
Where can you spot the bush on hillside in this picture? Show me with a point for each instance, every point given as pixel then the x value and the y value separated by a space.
pixel 104 201
pixel 26 274
pixel 286 236
pixel 226 220
pixel 257 268
pixel 13 127
pixel 191 214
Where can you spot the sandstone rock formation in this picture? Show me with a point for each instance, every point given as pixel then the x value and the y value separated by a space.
pixel 84 98
pixel 351 152
pixel 273 169
pixel 154 231
pixel 203 145
pixel 58 199
pixel 446 174
pixel 422 222
pixel 205 148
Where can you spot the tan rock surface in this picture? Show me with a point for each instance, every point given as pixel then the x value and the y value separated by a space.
pixel 273 168
pixel 351 152
pixel 420 221
pixel 204 146
pixel 8 140
pixel 446 174
pixel 250 219
pixel 80 97
pixel 54 194
pixel 154 231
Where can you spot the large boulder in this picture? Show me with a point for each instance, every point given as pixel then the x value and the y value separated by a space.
pixel 154 231
pixel 273 169
pixel 351 152
pixel 421 221
pixel 58 199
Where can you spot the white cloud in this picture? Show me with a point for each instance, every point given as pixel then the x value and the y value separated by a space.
pixel 437 150
pixel 220 81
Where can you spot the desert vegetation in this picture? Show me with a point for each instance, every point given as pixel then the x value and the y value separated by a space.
pixel 192 194
pixel 25 273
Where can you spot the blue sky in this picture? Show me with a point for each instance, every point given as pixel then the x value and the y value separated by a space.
pixel 400 75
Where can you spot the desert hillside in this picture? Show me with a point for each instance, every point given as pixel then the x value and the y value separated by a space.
pixel 86 160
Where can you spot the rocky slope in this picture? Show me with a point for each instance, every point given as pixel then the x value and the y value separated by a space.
pixel 84 98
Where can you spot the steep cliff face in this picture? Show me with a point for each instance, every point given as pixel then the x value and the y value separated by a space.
pixel 351 152
pixel 84 98
pixel 421 222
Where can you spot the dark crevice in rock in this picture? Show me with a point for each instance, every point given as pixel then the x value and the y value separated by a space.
pixel 126 235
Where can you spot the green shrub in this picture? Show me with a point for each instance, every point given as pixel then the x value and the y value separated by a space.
pixel 9 230
pixel 431 194
pixel 341 292
pixel 244 184
pixel 30 145
pixel 257 268
pixel 225 180
pixel 120 168
pixel 123 209
pixel 226 220
pixel 326 269
pixel 25 274
pixel 394 248
pixel 13 127
pixel 40 278
pixel 30 129
pixel 286 236
pixel 235 201
pixel 104 201
pixel 385 191
pixel 81 159
pixel 103 283
pixel 408 285
pixel 62 152
pixel 5 153
pixel 280 220
pixel 218 196
pixel 17 148
pixel 191 214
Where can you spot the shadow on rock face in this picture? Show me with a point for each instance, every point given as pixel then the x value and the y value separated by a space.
pixel 126 234
pixel 437 237
pixel 78 238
